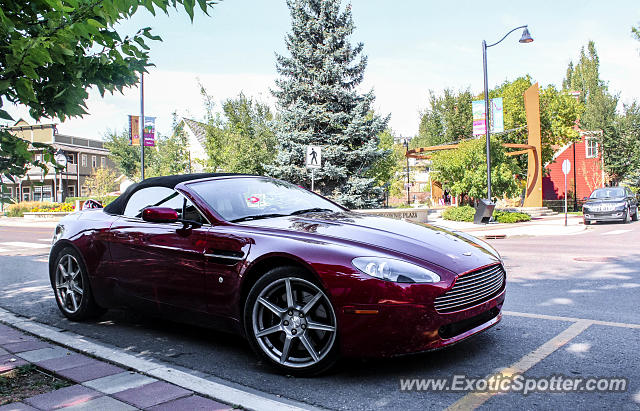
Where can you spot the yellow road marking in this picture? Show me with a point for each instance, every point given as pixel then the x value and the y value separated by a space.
pixel 571 319
pixel 473 400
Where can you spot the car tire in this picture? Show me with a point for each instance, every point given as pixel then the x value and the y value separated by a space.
pixel 71 287
pixel 587 222
pixel 635 215
pixel 290 322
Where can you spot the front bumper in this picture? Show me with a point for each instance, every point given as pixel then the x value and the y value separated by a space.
pixel 614 215
pixel 397 328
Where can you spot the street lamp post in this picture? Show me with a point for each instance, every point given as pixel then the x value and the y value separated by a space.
pixel 526 38
pixel 61 159
pixel 406 146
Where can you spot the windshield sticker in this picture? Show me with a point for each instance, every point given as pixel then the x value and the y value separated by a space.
pixel 255 201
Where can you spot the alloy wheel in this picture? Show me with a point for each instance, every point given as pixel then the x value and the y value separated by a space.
pixel 294 322
pixel 69 284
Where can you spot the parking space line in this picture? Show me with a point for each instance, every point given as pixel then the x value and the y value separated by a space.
pixel 474 400
pixel 616 232
pixel 571 319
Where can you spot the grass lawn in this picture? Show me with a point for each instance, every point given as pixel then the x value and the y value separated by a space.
pixel 27 381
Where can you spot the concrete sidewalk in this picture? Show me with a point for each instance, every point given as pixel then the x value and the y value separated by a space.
pixel 96 384
pixel 540 226
pixel 101 370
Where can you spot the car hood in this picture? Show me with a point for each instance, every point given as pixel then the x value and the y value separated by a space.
pixel 455 251
pixel 605 200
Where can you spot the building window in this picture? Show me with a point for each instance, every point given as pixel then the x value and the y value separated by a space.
pixel 71 191
pixel 84 192
pixel 94 162
pixel 84 160
pixel 103 162
pixel 71 158
pixel 592 147
pixel 46 193
pixel 42 193
pixel 26 193
pixel 38 157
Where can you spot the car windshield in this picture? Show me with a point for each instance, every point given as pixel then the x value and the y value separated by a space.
pixel 613 192
pixel 250 198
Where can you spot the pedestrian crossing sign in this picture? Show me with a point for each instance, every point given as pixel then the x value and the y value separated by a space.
pixel 314 159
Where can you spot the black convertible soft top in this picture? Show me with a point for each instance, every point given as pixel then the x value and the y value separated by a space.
pixel 117 206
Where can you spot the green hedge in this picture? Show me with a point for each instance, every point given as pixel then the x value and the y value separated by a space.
pixel 462 213
pixel 103 199
pixel 466 213
pixel 510 217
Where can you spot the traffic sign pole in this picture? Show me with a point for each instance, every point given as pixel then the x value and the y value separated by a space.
pixel 313 161
pixel 566 167
pixel 565 200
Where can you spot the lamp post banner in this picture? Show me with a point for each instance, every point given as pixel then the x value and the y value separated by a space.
pixel 134 130
pixel 479 118
pixel 149 131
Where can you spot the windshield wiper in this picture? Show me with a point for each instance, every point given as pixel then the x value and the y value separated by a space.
pixel 257 217
pixel 310 210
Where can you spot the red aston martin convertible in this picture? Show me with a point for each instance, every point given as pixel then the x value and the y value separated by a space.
pixel 304 279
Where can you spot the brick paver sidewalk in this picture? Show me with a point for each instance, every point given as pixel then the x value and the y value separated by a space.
pixel 98 385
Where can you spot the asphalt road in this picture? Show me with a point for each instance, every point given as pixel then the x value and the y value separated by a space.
pixel 594 275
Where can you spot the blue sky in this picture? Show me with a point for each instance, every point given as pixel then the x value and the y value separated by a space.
pixel 413 46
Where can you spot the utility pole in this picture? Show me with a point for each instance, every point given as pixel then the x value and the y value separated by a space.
pixel 406 145
pixel 142 126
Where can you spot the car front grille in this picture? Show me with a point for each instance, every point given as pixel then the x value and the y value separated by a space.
pixel 472 289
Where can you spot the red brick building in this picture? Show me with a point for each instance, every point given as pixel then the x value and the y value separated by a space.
pixel 586 169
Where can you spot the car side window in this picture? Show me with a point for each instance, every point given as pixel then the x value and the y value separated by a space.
pixel 147 197
pixel 163 197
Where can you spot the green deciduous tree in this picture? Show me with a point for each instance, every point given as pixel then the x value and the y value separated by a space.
pixel 125 156
pixel 385 170
pixel 600 104
pixel 449 118
pixel 600 109
pixel 102 181
pixel 241 138
pixel 169 156
pixel 319 105
pixel 622 153
pixel 52 51
pixel 464 171
pixel 559 113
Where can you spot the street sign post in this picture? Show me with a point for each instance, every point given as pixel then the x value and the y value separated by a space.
pixel 566 167
pixel 313 161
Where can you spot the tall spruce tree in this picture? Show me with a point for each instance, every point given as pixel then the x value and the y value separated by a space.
pixel 319 105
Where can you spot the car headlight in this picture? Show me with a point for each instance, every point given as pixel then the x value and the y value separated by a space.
pixel 621 205
pixel 390 269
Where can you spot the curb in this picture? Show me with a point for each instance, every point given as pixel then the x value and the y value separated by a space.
pixel 158 369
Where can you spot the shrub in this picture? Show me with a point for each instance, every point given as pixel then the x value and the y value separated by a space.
pixel 462 213
pixel 52 207
pixel 466 213
pixel 104 200
pixel 18 209
pixel 509 217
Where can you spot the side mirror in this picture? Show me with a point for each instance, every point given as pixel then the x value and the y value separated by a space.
pixel 160 215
